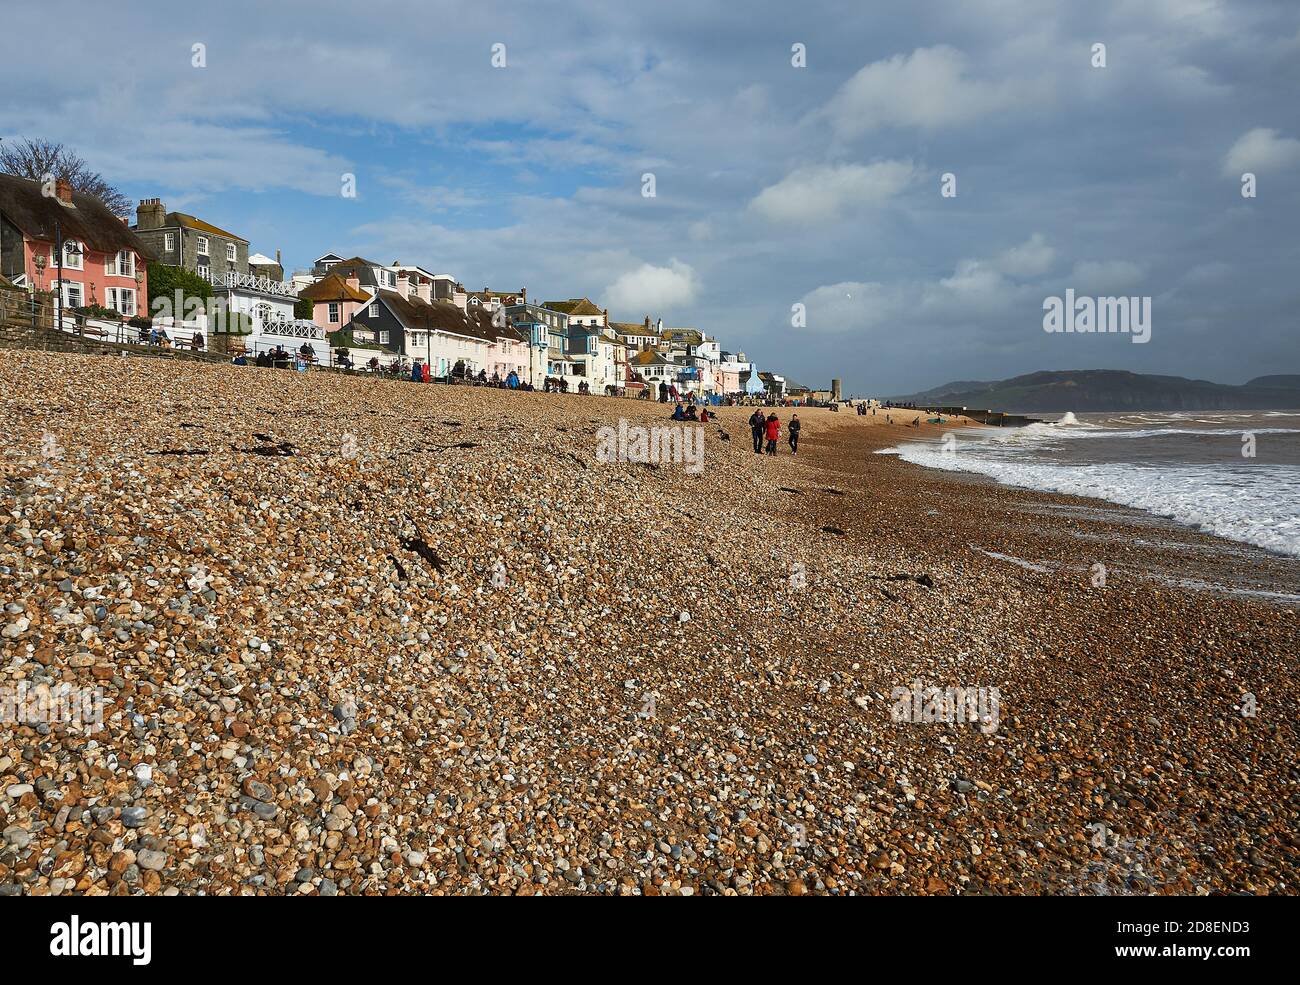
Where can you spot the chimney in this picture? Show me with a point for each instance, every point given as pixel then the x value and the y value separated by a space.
pixel 278 262
pixel 404 284
pixel 523 295
pixel 425 290
pixel 150 214
pixel 353 280
pixel 63 191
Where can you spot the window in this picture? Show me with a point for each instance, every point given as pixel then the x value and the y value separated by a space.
pixel 334 312
pixel 374 310
pixel 121 299
pixel 169 242
pixel 71 260
pixel 203 246
pixel 232 255
pixel 120 264
pixel 73 294
pixel 383 338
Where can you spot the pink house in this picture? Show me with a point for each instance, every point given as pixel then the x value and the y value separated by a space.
pixel 335 300
pixel 509 351
pixel 104 262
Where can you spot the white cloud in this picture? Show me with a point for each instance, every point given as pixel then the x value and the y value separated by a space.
pixel 973 282
pixel 653 288
pixel 1262 150
pixel 852 306
pixel 827 190
pixel 1030 259
pixel 975 287
pixel 927 89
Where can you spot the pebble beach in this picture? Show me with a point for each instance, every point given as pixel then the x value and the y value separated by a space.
pixel 369 637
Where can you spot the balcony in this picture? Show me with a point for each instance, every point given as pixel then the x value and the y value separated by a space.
pixel 248 282
pixel 296 329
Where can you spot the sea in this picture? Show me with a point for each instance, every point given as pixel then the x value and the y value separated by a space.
pixel 1233 474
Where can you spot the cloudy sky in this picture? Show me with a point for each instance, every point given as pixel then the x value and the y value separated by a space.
pixel 775 184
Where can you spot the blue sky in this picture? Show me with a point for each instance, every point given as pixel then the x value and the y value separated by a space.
pixel 775 185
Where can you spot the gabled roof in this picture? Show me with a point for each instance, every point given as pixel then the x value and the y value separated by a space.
pixel 356 262
pixel 632 328
pixel 574 306
pixel 328 256
pixel 689 335
pixel 86 220
pixel 192 222
pixel 416 314
pixel 650 357
pixel 510 297
pixel 332 287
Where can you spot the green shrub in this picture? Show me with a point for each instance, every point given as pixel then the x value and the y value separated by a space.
pixel 165 280
pixel 98 311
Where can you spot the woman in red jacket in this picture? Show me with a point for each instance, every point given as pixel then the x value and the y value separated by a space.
pixel 773 433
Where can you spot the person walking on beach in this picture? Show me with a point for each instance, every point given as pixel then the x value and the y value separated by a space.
pixel 793 432
pixel 757 423
pixel 773 433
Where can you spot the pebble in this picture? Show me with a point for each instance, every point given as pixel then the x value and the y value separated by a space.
pixel 149 859
pixel 134 817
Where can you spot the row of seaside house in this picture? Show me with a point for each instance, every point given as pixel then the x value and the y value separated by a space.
pixel 379 313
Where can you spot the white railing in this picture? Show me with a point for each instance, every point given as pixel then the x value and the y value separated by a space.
pixel 296 329
pixel 250 282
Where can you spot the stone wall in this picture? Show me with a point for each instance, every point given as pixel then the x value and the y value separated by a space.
pixel 18 334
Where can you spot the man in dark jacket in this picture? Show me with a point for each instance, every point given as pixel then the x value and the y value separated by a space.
pixel 758 424
pixel 793 432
